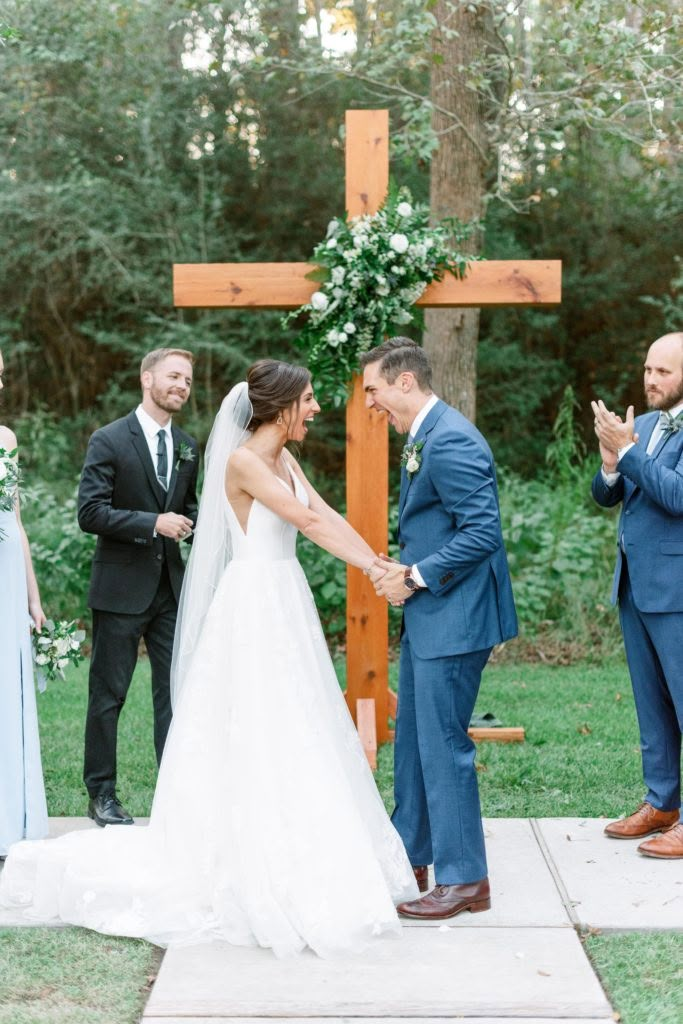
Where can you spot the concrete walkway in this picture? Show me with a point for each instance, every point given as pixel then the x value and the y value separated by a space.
pixel 523 960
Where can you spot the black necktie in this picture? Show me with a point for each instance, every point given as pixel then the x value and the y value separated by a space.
pixel 162 459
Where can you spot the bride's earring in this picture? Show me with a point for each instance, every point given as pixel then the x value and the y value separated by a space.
pixel 279 420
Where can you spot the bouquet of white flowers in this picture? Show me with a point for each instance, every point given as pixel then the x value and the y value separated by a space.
pixel 9 481
pixel 371 270
pixel 54 647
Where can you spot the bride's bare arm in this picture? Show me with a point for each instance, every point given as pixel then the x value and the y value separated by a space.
pixel 248 473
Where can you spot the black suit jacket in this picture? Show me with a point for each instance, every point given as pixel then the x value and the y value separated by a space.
pixel 119 499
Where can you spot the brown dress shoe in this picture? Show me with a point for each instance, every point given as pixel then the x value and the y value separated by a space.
pixel 646 820
pixel 422 878
pixel 448 900
pixel 668 846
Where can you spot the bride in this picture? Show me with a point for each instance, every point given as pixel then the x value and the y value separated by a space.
pixel 266 826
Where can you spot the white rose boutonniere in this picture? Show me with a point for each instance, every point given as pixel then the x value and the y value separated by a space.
pixel 412 457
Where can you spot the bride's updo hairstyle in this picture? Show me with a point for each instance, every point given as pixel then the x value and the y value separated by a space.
pixel 274 387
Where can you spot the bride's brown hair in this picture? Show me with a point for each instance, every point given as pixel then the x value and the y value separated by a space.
pixel 274 387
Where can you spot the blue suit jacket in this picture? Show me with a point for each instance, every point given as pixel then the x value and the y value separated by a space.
pixel 449 525
pixel 650 489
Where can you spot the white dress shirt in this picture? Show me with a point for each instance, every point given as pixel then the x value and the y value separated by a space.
pixel 416 424
pixel 611 478
pixel 150 429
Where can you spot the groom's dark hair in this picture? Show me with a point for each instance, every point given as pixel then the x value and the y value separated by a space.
pixel 395 356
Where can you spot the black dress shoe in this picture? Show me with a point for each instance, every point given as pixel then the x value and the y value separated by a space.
pixel 106 810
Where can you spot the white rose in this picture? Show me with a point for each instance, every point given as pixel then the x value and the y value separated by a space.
pixel 383 289
pixel 338 293
pixel 332 243
pixel 319 301
pixel 42 659
pixel 350 328
pixel 404 209
pixel 359 241
pixel 399 243
pixel 342 335
pixel 412 465
pixel 62 646
pixel 338 275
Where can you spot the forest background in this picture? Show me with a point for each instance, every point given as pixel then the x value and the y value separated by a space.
pixel 137 134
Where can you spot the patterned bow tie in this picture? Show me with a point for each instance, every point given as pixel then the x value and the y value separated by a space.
pixel 670 424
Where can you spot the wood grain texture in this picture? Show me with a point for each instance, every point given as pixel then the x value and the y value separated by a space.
pixel 367 454
pixel 285 286
pixel 366 717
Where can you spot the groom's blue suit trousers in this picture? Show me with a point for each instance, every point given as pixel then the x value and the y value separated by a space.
pixel 654 651
pixel 437 811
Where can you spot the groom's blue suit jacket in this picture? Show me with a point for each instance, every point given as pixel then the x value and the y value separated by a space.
pixel 650 489
pixel 449 525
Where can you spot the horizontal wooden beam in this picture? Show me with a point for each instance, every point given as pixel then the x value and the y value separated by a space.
pixel 285 286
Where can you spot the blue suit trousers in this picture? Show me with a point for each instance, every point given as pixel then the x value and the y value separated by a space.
pixel 654 651
pixel 437 811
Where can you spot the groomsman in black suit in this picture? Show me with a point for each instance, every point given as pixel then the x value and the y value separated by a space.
pixel 138 495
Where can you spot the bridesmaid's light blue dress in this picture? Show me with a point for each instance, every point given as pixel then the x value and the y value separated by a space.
pixel 23 811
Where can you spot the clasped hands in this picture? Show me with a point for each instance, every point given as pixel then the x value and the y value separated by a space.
pixel 387 576
pixel 612 433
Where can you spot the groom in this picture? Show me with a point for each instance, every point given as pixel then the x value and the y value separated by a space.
pixel 454 583
pixel 137 493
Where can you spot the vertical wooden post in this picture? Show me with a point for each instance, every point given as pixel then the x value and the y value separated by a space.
pixel 367 473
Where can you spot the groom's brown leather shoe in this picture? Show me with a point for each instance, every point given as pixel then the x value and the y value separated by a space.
pixel 448 900
pixel 646 820
pixel 668 846
pixel 422 878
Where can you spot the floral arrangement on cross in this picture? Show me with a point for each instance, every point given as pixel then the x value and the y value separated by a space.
pixel 371 269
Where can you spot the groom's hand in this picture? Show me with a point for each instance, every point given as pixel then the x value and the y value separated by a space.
pixel 392 585
pixel 170 524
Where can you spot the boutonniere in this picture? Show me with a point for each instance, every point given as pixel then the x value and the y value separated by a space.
pixel 185 454
pixel 411 457
pixel 670 424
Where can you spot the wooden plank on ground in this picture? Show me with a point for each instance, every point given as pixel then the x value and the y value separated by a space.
pixel 501 734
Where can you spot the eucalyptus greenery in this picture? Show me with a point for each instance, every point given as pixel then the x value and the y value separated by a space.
pixel 371 269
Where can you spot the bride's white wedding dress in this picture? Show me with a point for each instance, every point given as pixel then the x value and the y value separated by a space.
pixel 266 827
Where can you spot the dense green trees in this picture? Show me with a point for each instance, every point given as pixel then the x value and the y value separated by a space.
pixel 137 134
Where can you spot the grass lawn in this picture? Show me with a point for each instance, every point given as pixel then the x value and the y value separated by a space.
pixel 70 976
pixel 581 757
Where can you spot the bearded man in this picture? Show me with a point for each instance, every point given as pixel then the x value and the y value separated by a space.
pixel 642 467
pixel 138 495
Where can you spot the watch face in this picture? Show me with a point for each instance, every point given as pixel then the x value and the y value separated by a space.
pixel 409 583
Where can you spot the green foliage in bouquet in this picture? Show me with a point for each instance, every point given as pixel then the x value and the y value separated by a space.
pixel 372 269
pixel 55 646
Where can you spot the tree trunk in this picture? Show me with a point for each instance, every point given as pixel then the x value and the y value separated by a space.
pixel 457 185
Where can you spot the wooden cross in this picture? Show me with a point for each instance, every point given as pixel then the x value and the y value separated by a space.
pixel 285 286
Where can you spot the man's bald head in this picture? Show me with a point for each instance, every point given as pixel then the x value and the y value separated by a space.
pixel 663 377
